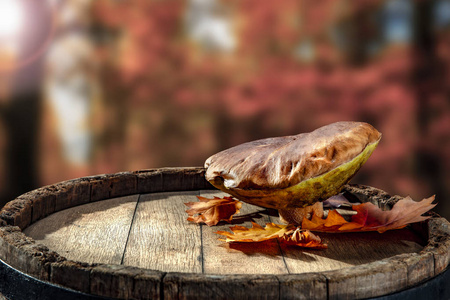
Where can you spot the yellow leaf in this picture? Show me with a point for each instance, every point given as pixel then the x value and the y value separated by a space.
pixel 287 234
pixel 256 233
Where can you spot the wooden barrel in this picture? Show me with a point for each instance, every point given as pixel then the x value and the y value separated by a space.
pixel 126 236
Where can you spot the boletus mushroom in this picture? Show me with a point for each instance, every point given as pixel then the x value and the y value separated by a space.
pixel 292 173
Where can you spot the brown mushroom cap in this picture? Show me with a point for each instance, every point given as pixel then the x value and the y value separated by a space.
pixel 279 163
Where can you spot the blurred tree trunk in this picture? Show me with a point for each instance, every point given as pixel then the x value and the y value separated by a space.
pixel 20 109
pixel 21 120
pixel 427 81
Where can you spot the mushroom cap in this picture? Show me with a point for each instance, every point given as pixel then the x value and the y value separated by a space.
pixel 293 171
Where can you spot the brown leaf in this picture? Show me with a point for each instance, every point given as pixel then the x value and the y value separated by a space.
pixel 305 239
pixel 296 215
pixel 211 211
pixel 287 234
pixel 370 218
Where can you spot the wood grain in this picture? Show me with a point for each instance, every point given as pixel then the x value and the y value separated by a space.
pixel 161 238
pixel 124 282
pixel 94 232
pixel 244 258
pixel 368 280
pixel 211 287
pixel 307 286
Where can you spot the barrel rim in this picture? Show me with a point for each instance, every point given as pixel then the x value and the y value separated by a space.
pixel 22 252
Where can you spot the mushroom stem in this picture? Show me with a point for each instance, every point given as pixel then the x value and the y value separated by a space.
pixel 296 215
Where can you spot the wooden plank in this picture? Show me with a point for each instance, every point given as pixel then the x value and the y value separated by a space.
pixel 74 275
pixel 72 193
pixel 20 252
pixel 92 233
pixel 303 286
pixel 18 212
pixel 161 238
pixel 44 203
pixel 245 258
pixel 199 286
pixel 124 282
pixel 370 280
pixel 419 267
pixel 184 179
pixel 439 243
pixel 112 185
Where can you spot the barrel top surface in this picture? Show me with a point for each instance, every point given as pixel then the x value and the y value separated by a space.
pixel 151 231
pixel 132 227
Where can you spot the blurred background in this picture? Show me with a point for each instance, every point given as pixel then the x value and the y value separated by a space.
pixel 101 86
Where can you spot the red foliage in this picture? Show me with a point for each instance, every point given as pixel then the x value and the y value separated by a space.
pixel 184 103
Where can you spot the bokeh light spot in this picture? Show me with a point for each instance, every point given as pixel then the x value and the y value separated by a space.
pixel 11 18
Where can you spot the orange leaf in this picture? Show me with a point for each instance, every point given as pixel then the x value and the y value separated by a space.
pixel 287 234
pixel 370 218
pixel 211 211
pixel 334 219
pixel 332 223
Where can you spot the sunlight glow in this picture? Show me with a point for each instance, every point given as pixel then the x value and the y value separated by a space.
pixel 11 18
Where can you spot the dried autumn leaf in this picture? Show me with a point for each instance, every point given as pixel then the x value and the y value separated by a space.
pixel 287 234
pixel 370 218
pixel 296 215
pixel 211 211
pixel 305 239
pixel 257 233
